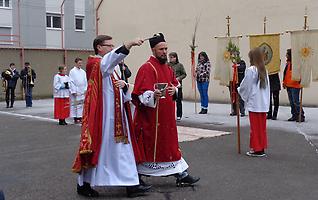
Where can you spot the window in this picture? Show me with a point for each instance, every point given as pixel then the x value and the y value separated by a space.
pixel 53 21
pixel 79 23
pixel 5 3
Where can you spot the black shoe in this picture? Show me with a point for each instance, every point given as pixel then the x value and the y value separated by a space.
pixel 301 120
pixel 143 183
pixel 232 114
pixel 203 111
pixel 269 117
pixel 242 114
pixel 137 190
pixel 86 190
pixel 11 106
pixel 274 118
pixel 62 122
pixel 187 181
pixel 7 106
pixel 292 119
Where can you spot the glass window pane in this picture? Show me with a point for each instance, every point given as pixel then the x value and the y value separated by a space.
pixel 48 21
pixel 1 3
pixel 79 24
pixel 7 3
pixel 56 22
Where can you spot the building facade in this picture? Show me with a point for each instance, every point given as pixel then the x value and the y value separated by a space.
pixel 176 19
pixel 56 24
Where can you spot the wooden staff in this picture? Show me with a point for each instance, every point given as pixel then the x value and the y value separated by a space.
pixel 193 46
pixel 265 25
pixel 156 131
pixel 236 95
pixel 301 89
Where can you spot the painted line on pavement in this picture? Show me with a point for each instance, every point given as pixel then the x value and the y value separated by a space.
pixel 28 116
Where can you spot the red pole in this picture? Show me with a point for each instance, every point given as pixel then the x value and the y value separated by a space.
pixel 62 24
pixel 96 14
pixel 19 24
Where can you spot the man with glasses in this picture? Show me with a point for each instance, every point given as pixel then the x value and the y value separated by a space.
pixel 107 150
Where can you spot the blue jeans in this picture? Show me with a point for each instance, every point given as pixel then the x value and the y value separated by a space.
pixel 203 90
pixel 293 97
pixel 28 96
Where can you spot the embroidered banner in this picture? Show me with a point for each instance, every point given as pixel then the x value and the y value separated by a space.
pixel 223 68
pixel 270 44
pixel 304 45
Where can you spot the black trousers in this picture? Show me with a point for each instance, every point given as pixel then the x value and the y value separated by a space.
pixel 179 102
pixel 275 96
pixel 233 104
pixel 10 96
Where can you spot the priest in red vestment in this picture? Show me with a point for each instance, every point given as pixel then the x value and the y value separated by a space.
pixel 155 121
pixel 107 152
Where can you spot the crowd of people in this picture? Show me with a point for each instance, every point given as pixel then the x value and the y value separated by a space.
pixel 117 149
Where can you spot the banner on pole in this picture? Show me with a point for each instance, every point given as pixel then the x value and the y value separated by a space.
pixel 304 45
pixel 223 68
pixel 270 44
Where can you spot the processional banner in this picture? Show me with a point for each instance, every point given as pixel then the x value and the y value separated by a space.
pixel 270 44
pixel 304 45
pixel 223 68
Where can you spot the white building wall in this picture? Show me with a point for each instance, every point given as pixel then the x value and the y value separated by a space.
pixel 6 17
pixel 53 6
pixel 79 6
pixel 53 36
pixel 176 19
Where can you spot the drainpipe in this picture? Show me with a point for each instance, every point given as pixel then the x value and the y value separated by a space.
pixel 19 23
pixel 62 31
pixel 19 43
pixel 96 14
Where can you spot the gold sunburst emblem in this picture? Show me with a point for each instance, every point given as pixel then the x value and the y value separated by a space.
pixel 227 55
pixel 306 52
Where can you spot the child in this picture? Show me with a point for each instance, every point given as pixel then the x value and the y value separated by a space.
pixel 61 96
pixel 255 91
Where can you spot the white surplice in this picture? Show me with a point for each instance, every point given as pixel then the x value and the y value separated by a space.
pixel 256 99
pixel 78 89
pixel 59 90
pixel 116 163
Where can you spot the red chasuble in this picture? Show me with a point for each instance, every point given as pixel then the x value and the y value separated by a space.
pixel 166 145
pixel 91 133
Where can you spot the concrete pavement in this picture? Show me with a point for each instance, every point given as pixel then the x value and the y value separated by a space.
pixel 37 154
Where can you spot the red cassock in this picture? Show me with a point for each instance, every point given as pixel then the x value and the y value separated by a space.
pixel 61 108
pixel 167 147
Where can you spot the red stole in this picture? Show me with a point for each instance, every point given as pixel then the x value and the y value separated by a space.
pixel 167 147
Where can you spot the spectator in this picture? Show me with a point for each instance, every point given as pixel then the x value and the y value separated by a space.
pixel 203 77
pixel 180 75
pixel 61 95
pixel 28 76
pixel 11 77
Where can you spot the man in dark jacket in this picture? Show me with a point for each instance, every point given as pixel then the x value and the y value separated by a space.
pixel 28 76
pixel 274 82
pixel 10 75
